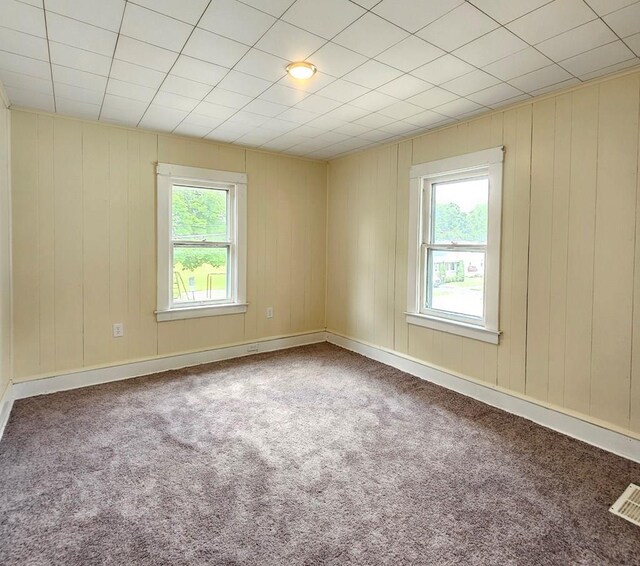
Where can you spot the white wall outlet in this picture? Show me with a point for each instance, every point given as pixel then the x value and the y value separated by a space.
pixel 118 330
pixel 252 348
pixel 269 312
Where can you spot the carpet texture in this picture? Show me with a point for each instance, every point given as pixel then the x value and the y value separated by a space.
pixel 308 456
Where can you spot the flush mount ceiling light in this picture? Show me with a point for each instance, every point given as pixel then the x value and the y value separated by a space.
pixel 301 70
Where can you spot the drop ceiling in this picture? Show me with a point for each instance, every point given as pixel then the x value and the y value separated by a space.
pixel 215 69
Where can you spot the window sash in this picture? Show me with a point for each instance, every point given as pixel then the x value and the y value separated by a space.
pixel 427 237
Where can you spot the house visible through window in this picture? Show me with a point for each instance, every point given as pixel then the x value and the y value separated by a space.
pixel 201 242
pixel 454 254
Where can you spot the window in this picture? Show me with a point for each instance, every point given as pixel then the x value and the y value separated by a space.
pixel 201 242
pixel 454 244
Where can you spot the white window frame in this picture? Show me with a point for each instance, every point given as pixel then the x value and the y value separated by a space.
pixel 422 178
pixel 168 176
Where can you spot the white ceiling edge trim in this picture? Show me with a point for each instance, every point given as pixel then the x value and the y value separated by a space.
pixel 499 110
pixel 4 96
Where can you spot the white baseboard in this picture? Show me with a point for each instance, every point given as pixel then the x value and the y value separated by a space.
pixel 84 378
pixel 572 426
pixel 6 404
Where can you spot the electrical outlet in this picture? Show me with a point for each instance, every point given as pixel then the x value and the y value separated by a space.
pixel 252 348
pixel 118 330
pixel 269 312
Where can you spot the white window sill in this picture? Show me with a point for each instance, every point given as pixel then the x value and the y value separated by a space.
pixel 454 327
pixel 201 311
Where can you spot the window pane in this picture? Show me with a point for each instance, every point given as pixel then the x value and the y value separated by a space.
pixel 200 274
pixel 199 214
pixel 460 211
pixel 456 284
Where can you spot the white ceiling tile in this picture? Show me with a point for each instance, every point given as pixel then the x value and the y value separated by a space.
pixel 372 74
pixel 203 121
pixel 30 99
pixel 611 69
pixel 162 118
pixel 257 137
pixel 171 100
pixel 106 14
pixel 325 18
pixel 23 44
pixel 214 48
pixel 460 26
pixel 401 110
pixel 495 94
pixel 136 74
pixel 314 84
pixel 425 119
pixel 550 20
pixel 78 78
pixel 633 41
pixel 35 3
pixel 305 132
pixel 442 70
pixel 297 115
pixel 185 87
pixel 541 78
pixel 432 98
pixel 326 122
pixel 318 104
pixel 214 110
pixel 71 93
pixel 556 86
pixel 405 86
pixel 471 82
pixel 370 35
pixel 129 90
pixel 410 53
pixel 490 47
pixel 399 128
pixel 197 70
pixel 26 82
pixel 227 132
pixel 144 54
pixel 122 109
pixel 185 128
pixel 508 101
pixel 156 29
pixel 265 108
pixel 414 14
pixel 343 91
pixel 78 34
pixel 352 129
pixel 244 84
pixel 185 10
pixel 76 108
pixel 22 17
pixel 374 120
pixel 228 98
pixel 248 118
pixel 274 7
pixel 603 7
pixel 336 60
pixel 280 126
pixel 236 20
pixel 583 38
pixel 505 11
pixel 604 56
pixel 24 65
pixel 289 42
pixel 75 58
pixel 348 112
pixel 282 143
pixel 625 22
pixel 519 63
pixel 262 65
pixel 457 107
pixel 373 101
pixel 283 95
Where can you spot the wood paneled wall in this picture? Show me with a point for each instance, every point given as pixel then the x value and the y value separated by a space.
pixel 570 265
pixel 84 245
pixel 5 252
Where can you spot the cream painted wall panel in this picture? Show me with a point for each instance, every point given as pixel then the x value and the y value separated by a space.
pixel 614 249
pixel 559 251
pixel 581 239
pixel 542 166
pixel 634 411
pixel 5 251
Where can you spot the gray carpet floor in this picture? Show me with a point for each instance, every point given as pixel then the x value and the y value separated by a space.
pixel 309 456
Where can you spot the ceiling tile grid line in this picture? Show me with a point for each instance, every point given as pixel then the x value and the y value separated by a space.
pixel 215 68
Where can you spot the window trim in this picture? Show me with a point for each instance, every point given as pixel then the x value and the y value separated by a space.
pixel 421 176
pixel 169 175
